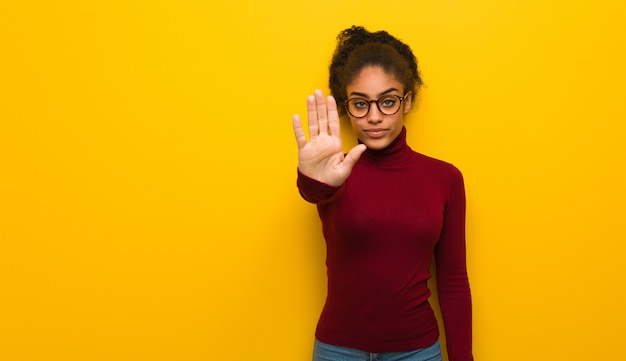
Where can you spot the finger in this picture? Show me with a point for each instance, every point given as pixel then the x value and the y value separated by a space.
pixel 312 113
pixel 353 156
pixel 322 113
pixel 333 117
pixel 298 131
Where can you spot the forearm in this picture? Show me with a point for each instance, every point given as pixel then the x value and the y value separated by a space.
pixel 315 191
pixel 456 310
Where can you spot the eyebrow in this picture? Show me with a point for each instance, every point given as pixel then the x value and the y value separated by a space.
pixel 381 94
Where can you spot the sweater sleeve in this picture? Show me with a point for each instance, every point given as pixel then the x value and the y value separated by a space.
pixel 452 280
pixel 315 191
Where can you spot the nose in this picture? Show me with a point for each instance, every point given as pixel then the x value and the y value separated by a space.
pixel 374 116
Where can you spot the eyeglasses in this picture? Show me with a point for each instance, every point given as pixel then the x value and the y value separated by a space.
pixel 387 104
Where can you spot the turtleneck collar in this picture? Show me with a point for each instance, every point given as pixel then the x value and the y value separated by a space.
pixel 396 152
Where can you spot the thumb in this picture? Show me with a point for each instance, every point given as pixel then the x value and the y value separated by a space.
pixel 353 156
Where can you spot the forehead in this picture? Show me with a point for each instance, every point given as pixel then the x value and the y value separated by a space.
pixel 373 81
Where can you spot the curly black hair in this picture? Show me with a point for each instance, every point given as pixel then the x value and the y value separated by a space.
pixel 358 48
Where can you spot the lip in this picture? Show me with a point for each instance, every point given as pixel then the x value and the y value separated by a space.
pixel 375 133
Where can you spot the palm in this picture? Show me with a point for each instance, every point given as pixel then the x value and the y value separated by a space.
pixel 322 157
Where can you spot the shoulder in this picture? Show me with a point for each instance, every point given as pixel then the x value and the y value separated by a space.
pixel 447 177
pixel 438 167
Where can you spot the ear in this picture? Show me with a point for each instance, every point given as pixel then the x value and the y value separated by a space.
pixel 408 101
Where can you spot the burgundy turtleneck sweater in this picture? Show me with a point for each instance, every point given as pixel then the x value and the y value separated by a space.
pixel 396 210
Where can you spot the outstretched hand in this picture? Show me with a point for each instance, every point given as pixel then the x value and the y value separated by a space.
pixel 322 157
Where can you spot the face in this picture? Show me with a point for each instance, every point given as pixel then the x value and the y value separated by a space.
pixel 377 130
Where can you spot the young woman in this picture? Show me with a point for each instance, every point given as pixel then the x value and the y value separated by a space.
pixel 387 212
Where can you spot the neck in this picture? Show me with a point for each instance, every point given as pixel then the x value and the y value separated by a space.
pixel 397 151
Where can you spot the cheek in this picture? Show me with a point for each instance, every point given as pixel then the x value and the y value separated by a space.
pixel 399 118
pixel 354 123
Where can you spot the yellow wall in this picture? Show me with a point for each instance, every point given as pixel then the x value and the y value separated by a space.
pixel 148 208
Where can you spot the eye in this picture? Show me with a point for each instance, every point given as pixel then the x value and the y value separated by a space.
pixel 388 101
pixel 359 103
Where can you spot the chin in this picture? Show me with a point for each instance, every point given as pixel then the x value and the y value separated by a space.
pixel 377 144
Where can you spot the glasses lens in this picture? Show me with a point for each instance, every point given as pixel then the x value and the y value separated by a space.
pixel 358 107
pixel 389 105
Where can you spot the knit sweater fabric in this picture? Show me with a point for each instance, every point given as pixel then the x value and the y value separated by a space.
pixel 397 212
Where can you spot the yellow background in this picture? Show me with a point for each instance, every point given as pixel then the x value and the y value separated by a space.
pixel 148 208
